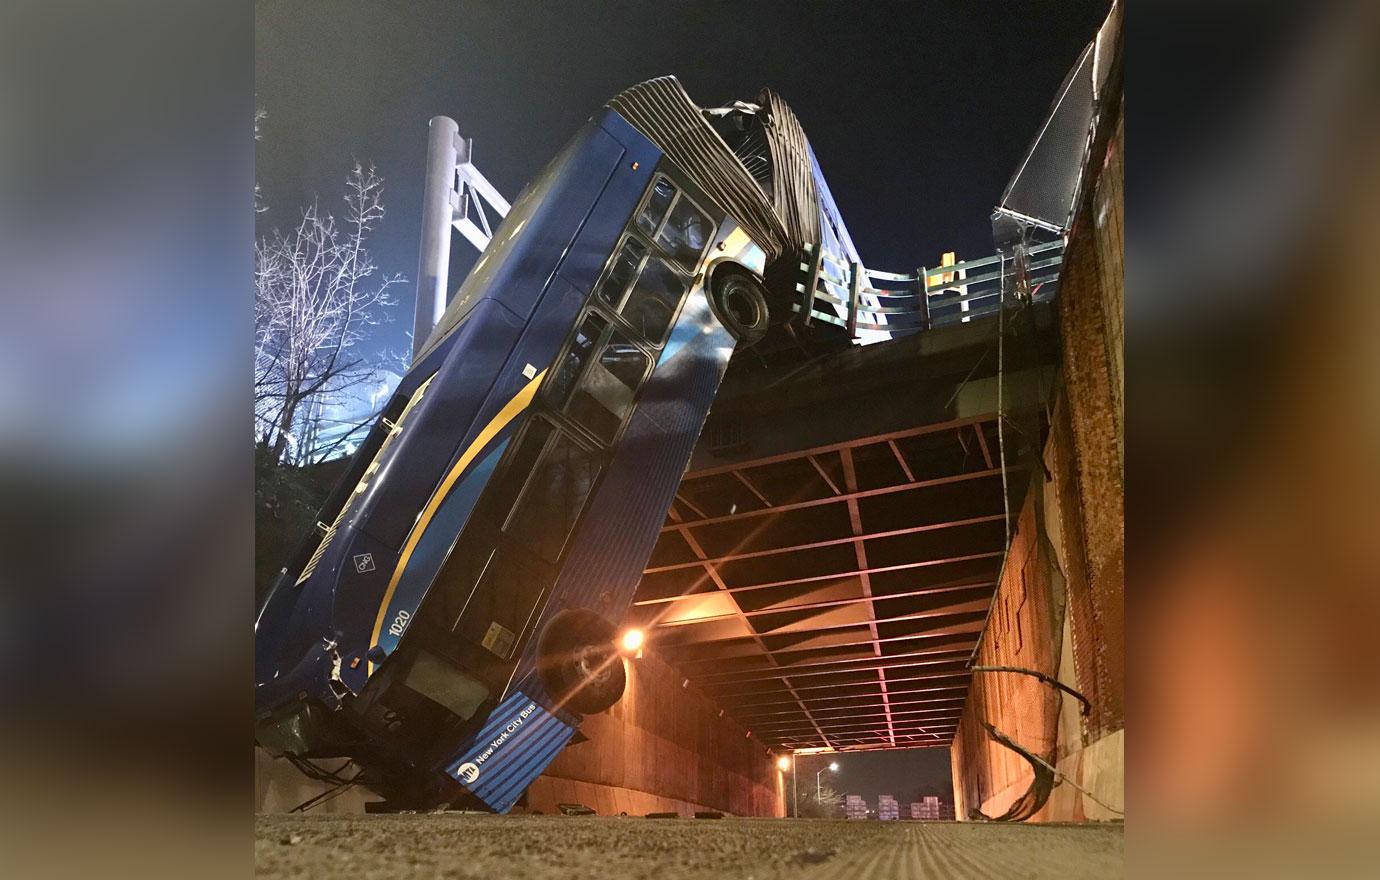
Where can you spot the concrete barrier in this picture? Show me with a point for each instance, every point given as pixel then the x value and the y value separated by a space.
pixel 662 748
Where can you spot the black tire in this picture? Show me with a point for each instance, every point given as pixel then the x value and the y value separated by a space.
pixel 579 662
pixel 741 304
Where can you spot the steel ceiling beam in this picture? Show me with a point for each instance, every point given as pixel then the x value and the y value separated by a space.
pixel 850 482
pixel 742 478
pixel 842 698
pixel 944 613
pixel 932 693
pixel 951 640
pixel 938 736
pixel 865 745
pixel 836 667
pixel 830 542
pixel 819 468
pixel 772 724
pixel 866 698
pixel 901 728
pixel 876 569
pixel 933 427
pixel 710 570
pixel 680 496
pixel 836 686
pixel 982 443
pixel 901 460
pixel 837 498
pixel 819 604
pixel 938 714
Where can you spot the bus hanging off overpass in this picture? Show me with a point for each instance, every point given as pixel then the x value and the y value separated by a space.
pixel 889 496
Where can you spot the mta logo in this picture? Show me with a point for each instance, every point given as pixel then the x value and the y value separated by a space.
pixel 468 773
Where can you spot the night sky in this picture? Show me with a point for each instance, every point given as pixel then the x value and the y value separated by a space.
pixel 906 774
pixel 918 113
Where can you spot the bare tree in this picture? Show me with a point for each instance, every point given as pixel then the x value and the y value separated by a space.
pixel 828 805
pixel 259 115
pixel 316 294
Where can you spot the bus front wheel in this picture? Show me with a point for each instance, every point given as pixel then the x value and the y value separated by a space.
pixel 578 661
pixel 741 305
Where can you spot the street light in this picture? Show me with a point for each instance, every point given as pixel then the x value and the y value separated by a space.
pixel 832 768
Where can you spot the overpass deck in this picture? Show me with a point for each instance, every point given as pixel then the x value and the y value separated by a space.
pixel 832 552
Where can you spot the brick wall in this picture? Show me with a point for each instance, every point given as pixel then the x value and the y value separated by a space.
pixel 1020 632
pixel 1091 321
pixel 1059 605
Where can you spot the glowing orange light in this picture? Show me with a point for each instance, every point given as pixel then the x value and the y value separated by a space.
pixel 783 763
pixel 632 641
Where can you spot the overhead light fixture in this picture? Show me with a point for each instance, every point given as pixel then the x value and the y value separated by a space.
pixel 783 763
pixel 631 643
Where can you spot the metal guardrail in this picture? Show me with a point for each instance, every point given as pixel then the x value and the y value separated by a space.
pixel 851 296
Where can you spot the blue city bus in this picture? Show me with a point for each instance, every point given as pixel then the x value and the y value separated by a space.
pixel 454 616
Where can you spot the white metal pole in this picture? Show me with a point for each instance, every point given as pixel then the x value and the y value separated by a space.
pixel 433 261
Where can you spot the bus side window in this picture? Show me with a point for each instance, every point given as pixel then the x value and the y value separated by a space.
pixel 685 234
pixel 523 458
pixel 623 270
pixel 574 360
pixel 650 217
pixel 653 301
pixel 604 396
pixel 554 496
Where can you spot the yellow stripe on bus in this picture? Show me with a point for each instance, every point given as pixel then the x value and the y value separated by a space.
pixel 509 412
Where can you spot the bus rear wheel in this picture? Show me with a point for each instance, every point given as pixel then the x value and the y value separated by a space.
pixel 579 663
pixel 741 305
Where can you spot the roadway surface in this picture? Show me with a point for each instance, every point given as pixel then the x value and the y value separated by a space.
pixel 576 848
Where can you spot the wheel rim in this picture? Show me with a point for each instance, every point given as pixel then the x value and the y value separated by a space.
pixel 741 304
pixel 591 665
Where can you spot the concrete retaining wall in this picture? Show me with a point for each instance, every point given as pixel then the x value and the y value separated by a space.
pixel 661 748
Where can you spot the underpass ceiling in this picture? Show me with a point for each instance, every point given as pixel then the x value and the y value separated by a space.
pixel 834 612
pixel 829 594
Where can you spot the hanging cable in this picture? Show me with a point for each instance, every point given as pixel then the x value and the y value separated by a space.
pixel 1001 416
pixel 1001 454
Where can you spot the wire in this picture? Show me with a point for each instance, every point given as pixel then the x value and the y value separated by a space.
pixel 1001 455
pixel 1044 677
pixel 318 773
pixel 327 795
pixel 1001 416
pixel 1064 776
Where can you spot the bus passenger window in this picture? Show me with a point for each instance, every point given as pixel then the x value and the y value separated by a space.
pixel 685 235
pixel 605 395
pixel 649 219
pixel 623 270
pixel 554 497
pixel 653 301
pixel 569 370
pixel 521 460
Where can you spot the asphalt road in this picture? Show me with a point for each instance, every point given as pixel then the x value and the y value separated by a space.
pixel 575 848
